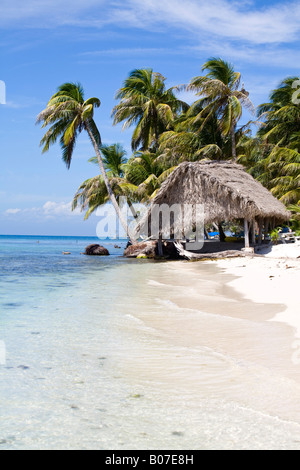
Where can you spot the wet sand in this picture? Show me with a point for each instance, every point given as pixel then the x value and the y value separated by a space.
pixel 210 307
pixel 259 327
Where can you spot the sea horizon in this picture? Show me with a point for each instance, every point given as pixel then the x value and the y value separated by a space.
pixel 60 236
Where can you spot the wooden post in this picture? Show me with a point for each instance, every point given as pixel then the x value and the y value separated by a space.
pixel 253 232
pixel 160 247
pixel 273 223
pixel 261 222
pixel 246 230
pixel 266 227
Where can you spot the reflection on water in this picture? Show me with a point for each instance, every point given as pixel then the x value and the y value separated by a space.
pixel 109 353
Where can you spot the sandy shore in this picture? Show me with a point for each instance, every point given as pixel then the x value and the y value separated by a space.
pixel 270 278
pixel 227 331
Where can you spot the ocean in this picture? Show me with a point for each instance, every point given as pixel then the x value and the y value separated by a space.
pixel 114 353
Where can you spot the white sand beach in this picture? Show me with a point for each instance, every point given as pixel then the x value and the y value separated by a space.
pixel 272 277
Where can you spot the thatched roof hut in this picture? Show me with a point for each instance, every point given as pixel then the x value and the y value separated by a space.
pixel 226 191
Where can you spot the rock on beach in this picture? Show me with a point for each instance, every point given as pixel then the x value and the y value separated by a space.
pixel 96 250
pixel 149 249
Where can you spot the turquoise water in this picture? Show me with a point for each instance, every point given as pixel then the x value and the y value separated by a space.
pixel 111 353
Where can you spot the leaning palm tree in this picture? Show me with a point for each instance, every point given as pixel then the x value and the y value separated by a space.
pixel 146 103
pixel 93 193
pixel 223 97
pixel 68 114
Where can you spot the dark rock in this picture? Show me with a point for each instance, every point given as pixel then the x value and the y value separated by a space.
pixel 96 250
pixel 150 250
pixel 170 250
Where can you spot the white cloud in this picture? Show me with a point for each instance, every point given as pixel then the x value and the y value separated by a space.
pixel 245 20
pixel 283 57
pixel 134 51
pixel 41 13
pixel 50 209
pixel 59 209
pixel 12 211
pixel 222 18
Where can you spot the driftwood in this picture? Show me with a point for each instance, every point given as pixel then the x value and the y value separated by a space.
pixel 217 255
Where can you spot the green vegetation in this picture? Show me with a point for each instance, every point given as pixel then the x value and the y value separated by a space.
pixel 168 131
pixel 279 168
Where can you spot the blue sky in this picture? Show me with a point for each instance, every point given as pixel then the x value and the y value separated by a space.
pixel 46 43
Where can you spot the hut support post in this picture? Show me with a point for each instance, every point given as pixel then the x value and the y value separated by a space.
pixel 246 230
pixel 261 222
pixel 253 232
pixel 160 247
pixel 266 227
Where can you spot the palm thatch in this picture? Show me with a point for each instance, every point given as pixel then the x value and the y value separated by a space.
pixel 224 189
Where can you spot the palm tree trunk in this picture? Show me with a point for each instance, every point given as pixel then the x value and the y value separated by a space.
pixel 108 186
pixel 132 209
pixel 233 142
pixel 222 235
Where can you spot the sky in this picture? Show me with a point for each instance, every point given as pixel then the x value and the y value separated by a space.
pixel 98 43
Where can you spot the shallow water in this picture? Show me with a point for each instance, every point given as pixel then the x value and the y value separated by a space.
pixel 111 353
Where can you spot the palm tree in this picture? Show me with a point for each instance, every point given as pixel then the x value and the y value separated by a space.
pixel 93 193
pixel 139 180
pixel 280 173
pixel 68 114
pixel 295 209
pixel 114 159
pixel 191 141
pixel 146 103
pixel 194 137
pixel 251 153
pixel 222 97
pixel 144 173
pixel 279 170
pixel 281 116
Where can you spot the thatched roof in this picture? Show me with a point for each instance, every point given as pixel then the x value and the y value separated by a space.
pixel 225 189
